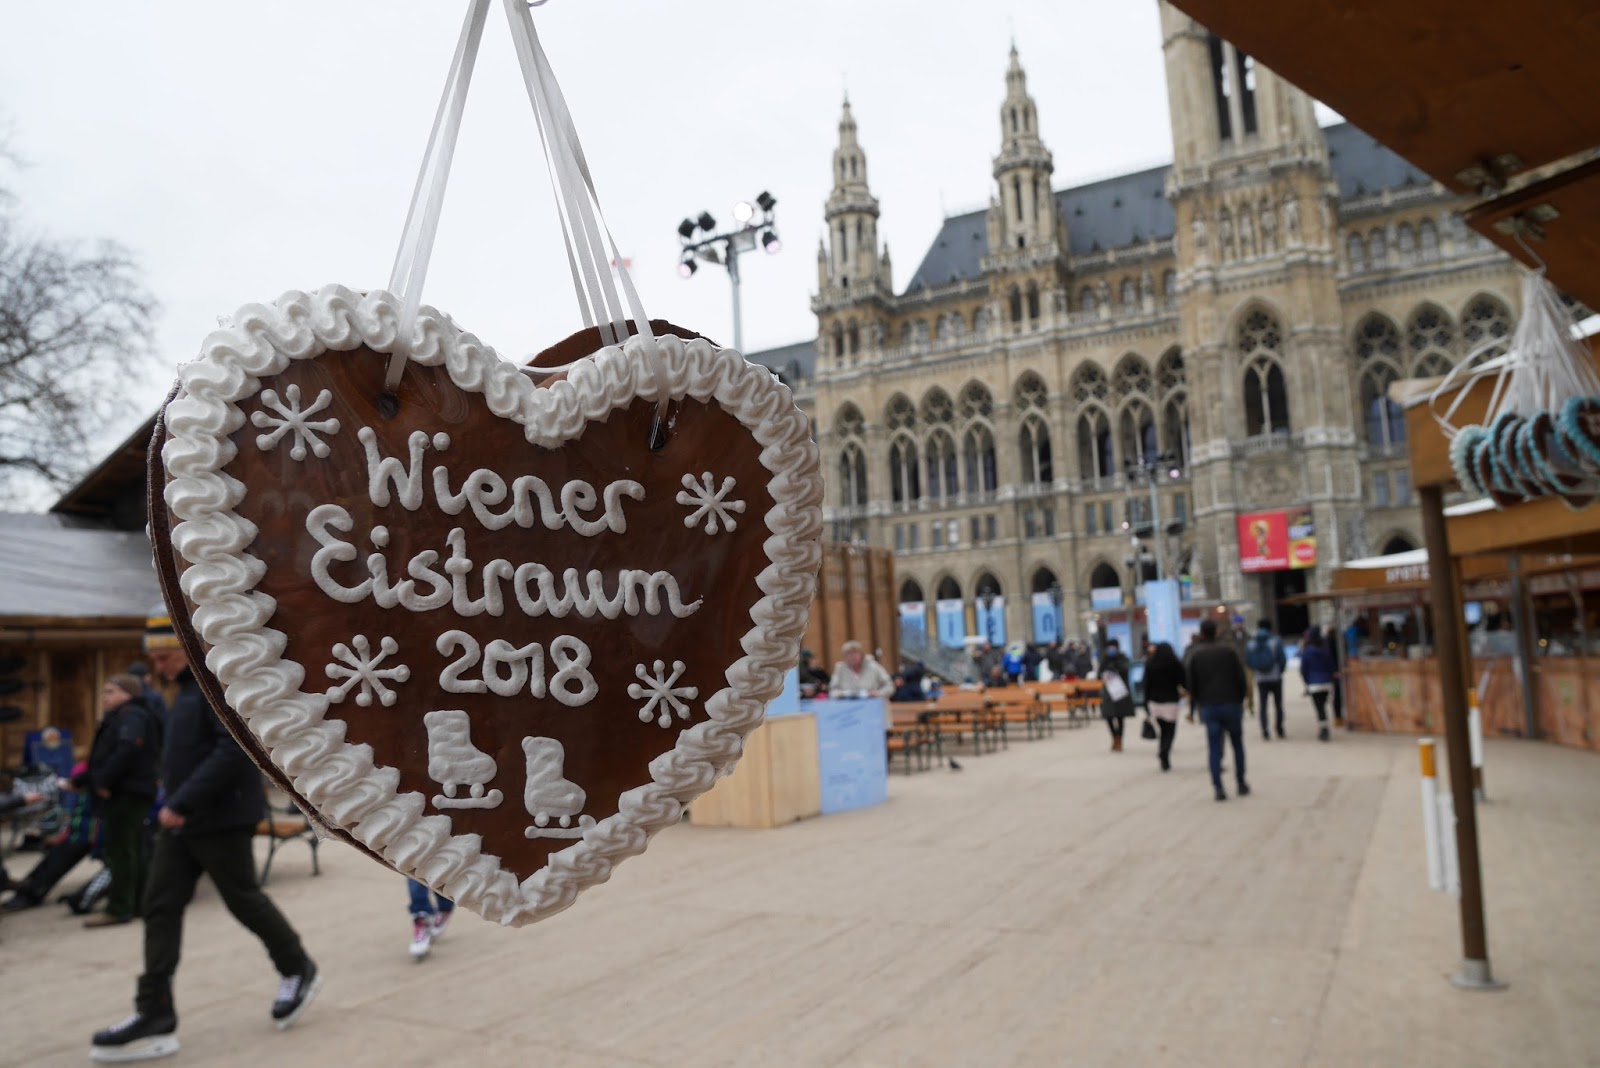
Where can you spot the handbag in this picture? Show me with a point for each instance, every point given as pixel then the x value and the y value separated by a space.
pixel 1147 730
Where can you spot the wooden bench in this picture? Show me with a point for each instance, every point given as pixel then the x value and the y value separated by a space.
pixel 1019 705
pixel 285 823
pixel 958 715
pixel 909 734
pixel 1062 697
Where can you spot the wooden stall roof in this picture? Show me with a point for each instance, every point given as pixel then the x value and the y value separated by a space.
pixel 1481 97
pixel 96 494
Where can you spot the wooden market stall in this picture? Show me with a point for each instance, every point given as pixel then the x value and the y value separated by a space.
pixel 1498 108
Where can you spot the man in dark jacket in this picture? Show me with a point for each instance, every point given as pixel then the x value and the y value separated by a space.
pixel 213 802
pixel 1217 687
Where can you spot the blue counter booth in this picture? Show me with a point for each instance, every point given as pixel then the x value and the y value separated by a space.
pixel 810 757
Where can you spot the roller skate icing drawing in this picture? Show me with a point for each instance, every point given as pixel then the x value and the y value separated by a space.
pixel 453 761
pixel 553 800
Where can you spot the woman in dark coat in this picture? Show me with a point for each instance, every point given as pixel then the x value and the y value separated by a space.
pixel 1163 695
pixel 1317 668
pixel 123 767
pixel 1116 698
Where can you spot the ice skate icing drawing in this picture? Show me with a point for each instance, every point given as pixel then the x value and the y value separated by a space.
pixel 453 761
pixel 553 800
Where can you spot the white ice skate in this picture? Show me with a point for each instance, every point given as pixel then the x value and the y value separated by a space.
pixel 453 761
pixel 553 800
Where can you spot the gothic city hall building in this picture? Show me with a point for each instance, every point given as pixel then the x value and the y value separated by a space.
pixel 1212 339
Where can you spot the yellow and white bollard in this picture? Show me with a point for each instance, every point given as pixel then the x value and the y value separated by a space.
pixel 1475 743
pixel 1430 814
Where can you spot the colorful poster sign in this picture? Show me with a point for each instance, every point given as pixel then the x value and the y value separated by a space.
pixel 951 617
pixel 1162 612
pixel 914 624
pixel 1046 618
pixel 1277 541
pixel 992 621
pixel 1105 597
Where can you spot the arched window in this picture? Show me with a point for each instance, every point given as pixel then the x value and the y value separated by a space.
pixel 1131 377
pixel 1129 294
pixel 1169 372
pixel 1096 458
pixel 1034 442
pixel 905 475
pixel 899 413
pixel 1014 302
pixel 1086 300
pixel 1398 544
pixel 943 328
pixel 976 402
pixel 1033 301
pixel 854 333
pixel 919 332
pixel 1428 240
pixel 1433 365
pixel 1384 421
pixel 1104 577
pixel 977 454
pixel 1377 249
pixel 980 322
pixel 1137 432
pixel 838 339
pixel 1486 322
pixel 1377 337
pixel 937 408
pixel 1266 395
pixel 1355 251
pixel 1405 242
pixel 1169 286
pixel 852 476
pixel 1430 342
pixel 1175 427
pixel 958 326
pixel 943 478
pixel 949 589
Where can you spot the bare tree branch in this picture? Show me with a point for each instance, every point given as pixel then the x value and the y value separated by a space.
pixel 72 321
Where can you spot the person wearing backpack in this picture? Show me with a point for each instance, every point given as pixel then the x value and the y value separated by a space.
pixel 1265 657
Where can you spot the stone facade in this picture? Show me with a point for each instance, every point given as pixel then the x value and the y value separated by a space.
pixel 1236 315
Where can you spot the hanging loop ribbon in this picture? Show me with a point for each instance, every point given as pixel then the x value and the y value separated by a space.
pixel 591 252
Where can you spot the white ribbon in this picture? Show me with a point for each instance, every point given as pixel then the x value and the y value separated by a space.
pixel 591 251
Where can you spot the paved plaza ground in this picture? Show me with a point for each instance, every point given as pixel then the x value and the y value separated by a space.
pixel 1052 904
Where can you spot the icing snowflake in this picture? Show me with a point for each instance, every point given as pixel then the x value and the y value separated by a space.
pixel 291 417
pixel 662 692
pixel 362 667
pixel 712 505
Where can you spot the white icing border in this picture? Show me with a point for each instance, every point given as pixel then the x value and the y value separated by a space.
pixel 246 655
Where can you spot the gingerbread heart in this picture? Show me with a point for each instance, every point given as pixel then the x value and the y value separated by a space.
pixel 496 633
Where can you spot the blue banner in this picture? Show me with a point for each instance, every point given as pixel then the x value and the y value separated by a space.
pixel 1163 612
pixel 852 763
pixel 1105 597
pixel 992 621
pixel 1046 618
pixel 914 623
pixel 952 620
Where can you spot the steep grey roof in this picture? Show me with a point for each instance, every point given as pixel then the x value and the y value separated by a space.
pixel 1362 166
pixel 59 566
pixel 1131 209
pixel 794 364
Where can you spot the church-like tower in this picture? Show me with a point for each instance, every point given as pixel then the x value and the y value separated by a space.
pixel 1263 338
pixel 854 281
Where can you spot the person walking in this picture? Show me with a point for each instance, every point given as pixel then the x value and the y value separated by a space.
pixel 430 915
pixel 1265 657
pixel 1164 683
pixel 124 762
pixel 213 802
pixel 1317 669
pixel 1116 695
pixel 1217 686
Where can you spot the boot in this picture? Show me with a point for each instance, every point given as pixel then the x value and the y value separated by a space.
pixel 1322 733
pixel 1116 744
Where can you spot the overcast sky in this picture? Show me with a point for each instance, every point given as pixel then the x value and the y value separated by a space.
pixel 241 150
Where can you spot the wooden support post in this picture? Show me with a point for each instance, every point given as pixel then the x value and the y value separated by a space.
pixel 1447 622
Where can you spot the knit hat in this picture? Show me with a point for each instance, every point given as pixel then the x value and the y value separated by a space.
pixel 128 684
pixel 158 631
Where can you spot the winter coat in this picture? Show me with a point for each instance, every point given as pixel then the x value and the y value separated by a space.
pixel 1216 674
pixel 1161 683
pixel 1116 662
pixel 125 760
pixel 1316 665
pixel 208 779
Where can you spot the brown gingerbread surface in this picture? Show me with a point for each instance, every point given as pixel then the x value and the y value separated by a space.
pixel 607 746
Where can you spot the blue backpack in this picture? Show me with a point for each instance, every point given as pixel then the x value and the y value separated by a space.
pixel 1262 653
